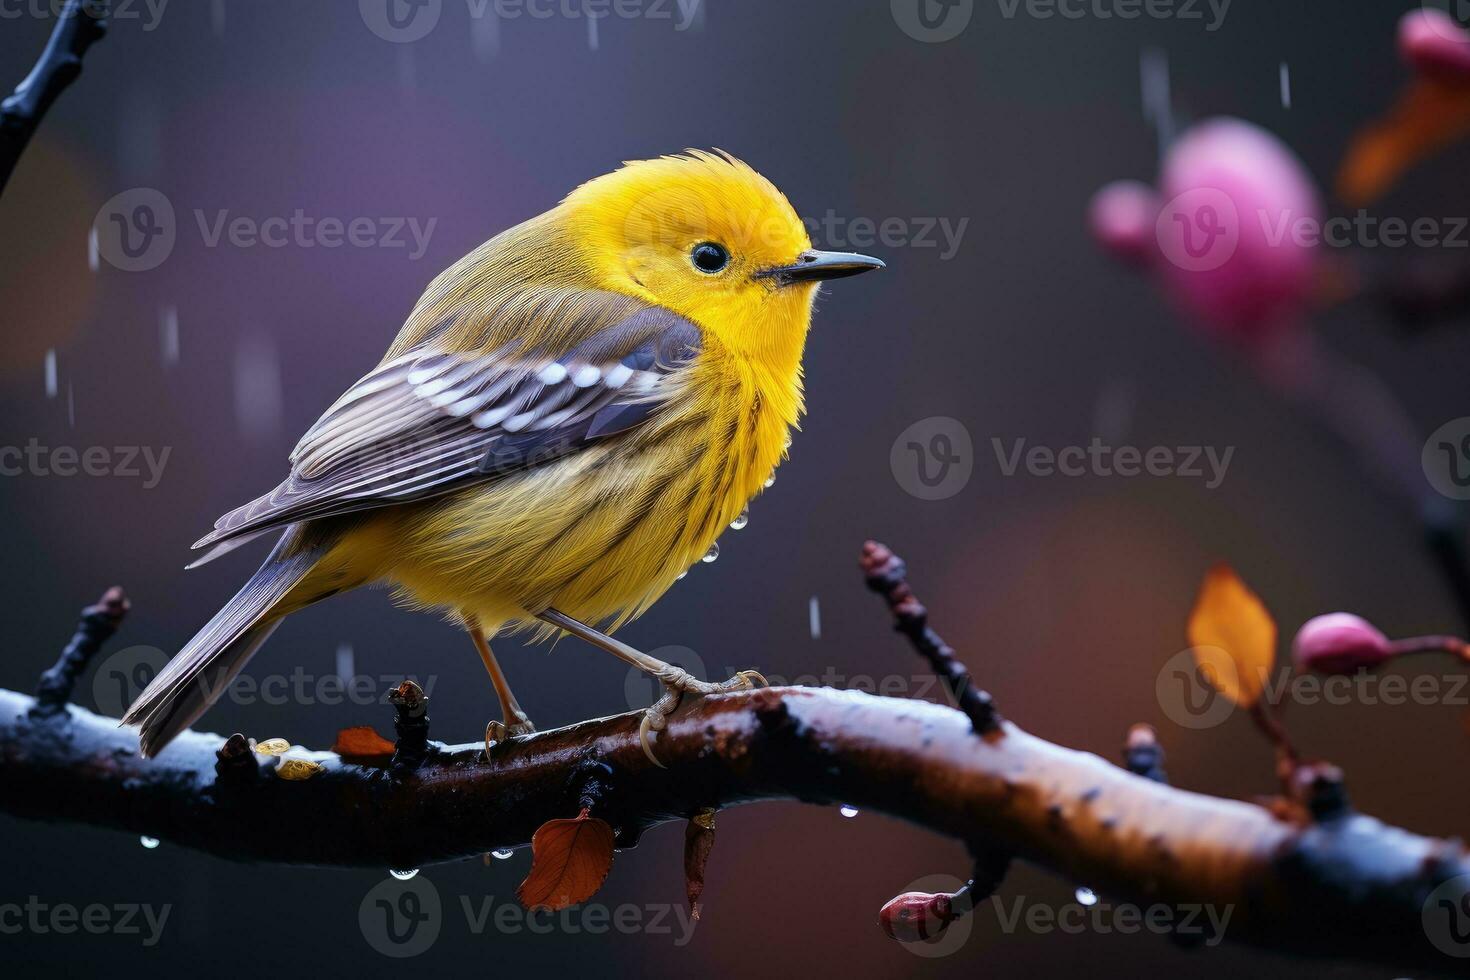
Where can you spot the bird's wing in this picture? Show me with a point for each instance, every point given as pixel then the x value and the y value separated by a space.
pixel 429 421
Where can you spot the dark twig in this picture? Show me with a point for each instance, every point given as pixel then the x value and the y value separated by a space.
pixel 1343 888
pixel 80 24
pixel 411 722
pixel 887 575
pixel 1143 755
pixel 96 626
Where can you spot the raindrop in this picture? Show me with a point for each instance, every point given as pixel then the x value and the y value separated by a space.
pixel 168 335
pixel 814 617
pixel 217 17
pixel 92 253
pixel 149 842
pixel 1086 896
pixel 1158 108
pixel 739 523
pixel 848 810
pixel 1285 85
pixel 502 854
pixel 50 367
pixel 682 575
pixel 712 553
pixel 346 662
pixel 404 875
pixel 71 406
pixel 485 36
pixel 259 391
pixel 592 32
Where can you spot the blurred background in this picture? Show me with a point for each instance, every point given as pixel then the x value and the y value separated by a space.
pixel 1066 595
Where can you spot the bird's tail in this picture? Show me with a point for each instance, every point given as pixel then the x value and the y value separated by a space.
pixel 204 668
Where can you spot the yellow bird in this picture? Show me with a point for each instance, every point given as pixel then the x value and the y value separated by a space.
pixel 571 415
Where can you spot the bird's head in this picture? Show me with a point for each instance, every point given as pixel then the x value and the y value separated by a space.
pixel 706 236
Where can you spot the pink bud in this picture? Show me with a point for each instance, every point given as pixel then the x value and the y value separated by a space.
pixel 1121 219
pixel 1339 643
pixel 1435 45
pixel 1239 229
pixel 916 916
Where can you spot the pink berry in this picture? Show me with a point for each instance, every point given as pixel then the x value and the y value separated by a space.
pixel 1121 218
pixel 1339 643
pixel 916 916
pixel 1435 45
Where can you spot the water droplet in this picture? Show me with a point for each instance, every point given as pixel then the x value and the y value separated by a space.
pixel 148 842
pixel 49 368
pixel 502 854
pixel 404 875
pixel 739 523
pixel 848 810
pixel 1086 896
pixel 712 553
pixel 769 481
pixel 681 575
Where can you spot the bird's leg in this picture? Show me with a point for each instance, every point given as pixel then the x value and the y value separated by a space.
pixel 516 722
pixel 676 680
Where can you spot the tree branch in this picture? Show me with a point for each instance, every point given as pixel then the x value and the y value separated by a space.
pixel 1345 885
pixel 80 24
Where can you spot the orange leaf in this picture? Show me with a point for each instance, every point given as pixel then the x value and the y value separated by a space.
pixel 1233 636
pixel 361 744
pixel 1428 116
pixel 570 859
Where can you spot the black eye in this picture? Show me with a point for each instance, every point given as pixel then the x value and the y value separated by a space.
pixel 709 257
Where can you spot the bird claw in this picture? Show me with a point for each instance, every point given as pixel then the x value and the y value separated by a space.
pixel 498 731
pixel 656 717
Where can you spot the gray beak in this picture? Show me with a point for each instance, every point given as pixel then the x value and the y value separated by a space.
pixel 815 266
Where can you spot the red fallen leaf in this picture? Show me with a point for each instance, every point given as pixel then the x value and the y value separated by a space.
pixel 570 859
pixel 362 744
pixel 699 840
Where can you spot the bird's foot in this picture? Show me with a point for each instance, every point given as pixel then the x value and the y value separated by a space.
pixel 497 732
pixel 676 682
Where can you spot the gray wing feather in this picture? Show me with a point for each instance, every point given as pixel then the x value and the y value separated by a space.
pixel 428 422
